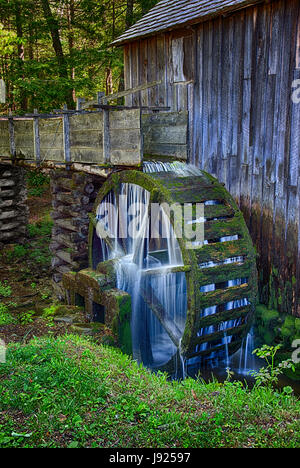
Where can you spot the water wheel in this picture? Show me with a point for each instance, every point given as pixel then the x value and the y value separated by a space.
pixel 198 297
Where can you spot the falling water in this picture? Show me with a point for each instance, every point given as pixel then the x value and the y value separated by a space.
pixel 159 299
pixel 179 168
pixel 247 360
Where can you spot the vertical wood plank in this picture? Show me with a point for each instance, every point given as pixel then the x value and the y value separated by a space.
pixel 12 136
pixel 127 73
pixel 106 136
pixel 211 101
pixel 266 137
pixel 37 146
pixel 219 72
pixel 292 148
pixel 198 101
pixel 66 132
pixel 135 72
pixel 298 45
pixel 161 70
pixel 246 152
pixel 281 171
pixel 225 65
pixel 152 71
pixel 143 71
pixel 169 72
pixel 236 100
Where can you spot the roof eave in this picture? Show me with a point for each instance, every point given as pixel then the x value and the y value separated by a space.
pixel 201 19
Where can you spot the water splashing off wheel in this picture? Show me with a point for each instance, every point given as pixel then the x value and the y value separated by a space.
pixel 189 302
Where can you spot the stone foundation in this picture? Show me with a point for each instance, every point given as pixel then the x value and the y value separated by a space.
pixel 13 208
pixel 73 196
pixel 103 303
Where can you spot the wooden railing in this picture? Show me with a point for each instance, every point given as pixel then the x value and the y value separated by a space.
pixel 92 137
pixel 95 134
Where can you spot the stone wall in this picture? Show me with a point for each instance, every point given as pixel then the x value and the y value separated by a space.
pixel 73 196
pixel 13 208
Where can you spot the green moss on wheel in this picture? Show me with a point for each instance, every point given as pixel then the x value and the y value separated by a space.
pixel 167 188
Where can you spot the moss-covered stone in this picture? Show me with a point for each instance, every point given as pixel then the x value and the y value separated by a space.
pixel 68 310
pixel 118 317
pixel 267 316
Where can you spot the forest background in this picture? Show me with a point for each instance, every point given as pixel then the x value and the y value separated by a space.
pixel 55 51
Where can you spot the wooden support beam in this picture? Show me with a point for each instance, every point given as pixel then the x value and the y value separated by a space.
pixel 106 137
pixel 12 136
pixel 37 146
pixel 66 126
pixel 143 87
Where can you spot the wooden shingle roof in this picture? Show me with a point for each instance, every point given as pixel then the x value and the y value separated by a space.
pixel 172 14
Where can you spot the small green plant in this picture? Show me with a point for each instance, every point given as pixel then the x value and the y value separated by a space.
pixel 26 317
pixel 5 289
pixel 33 286
pixel 229 374
pixel 18 252
pixel 268 375
pixel 41 229
pixel 45 296
pixel 40 256
pixel 37 183
pixel 5 317
pixel 49 313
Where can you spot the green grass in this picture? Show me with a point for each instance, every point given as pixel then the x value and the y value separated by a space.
pixel 37 251
pixel 69 392
pixel 37 183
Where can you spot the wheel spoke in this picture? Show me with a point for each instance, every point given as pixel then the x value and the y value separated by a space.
pixel 150 298
pixel 165 270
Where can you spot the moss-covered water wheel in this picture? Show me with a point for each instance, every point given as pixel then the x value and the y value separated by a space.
pixel 220 277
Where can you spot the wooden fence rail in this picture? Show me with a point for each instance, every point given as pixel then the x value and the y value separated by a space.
pixel 109 136
pixel 106 137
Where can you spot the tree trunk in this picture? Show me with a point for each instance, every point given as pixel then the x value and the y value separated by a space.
pixel 21 52
pixel 57 46
pixel 109 81
pixel 129 13
pixel 71 17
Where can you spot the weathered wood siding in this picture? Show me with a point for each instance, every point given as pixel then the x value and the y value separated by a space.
pixel 108 137
pixel 244 126
pixel 51 139
pixel 23 138
pixel 247 132
pixel 126 145
pixel 166 134
pixel 5 149
pixel 86 138
pixel 161 59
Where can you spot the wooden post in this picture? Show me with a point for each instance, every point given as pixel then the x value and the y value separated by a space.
pixel 100 97
pixel 106 136
pixel 79 103
pixel 37 146
pixel 66 127
pixel 12 135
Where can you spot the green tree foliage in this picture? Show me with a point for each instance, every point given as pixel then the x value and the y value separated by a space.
pixel 52 51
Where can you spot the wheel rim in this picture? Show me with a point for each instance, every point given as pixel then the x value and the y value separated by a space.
pixel 208 313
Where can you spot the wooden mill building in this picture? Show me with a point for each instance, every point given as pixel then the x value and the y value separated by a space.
pixel 235 66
